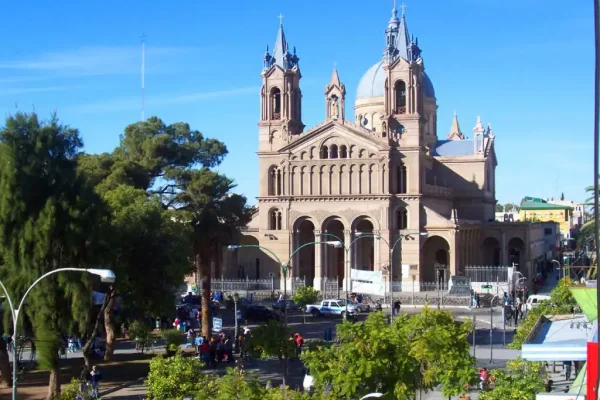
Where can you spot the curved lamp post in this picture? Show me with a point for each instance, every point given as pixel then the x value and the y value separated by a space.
pixel 284 270
pixel 558 263
pixel 347 276
pixel 371 395
pixel 106 275
pixel 392 247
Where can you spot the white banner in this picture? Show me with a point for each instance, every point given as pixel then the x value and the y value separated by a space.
pixel 367 282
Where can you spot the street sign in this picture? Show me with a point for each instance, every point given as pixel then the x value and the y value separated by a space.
pixel 217 324
pixel 486 287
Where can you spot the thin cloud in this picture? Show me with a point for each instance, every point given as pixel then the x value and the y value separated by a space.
pixel 133 103
pixel 18 91
pixel 101 60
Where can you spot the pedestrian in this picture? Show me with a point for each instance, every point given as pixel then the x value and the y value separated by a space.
pixel 483 377
pixel 84 378
pixel 477 300
pixel 516 313
pixel 523 310
pixel 397 305
pixel 299 344
pixel 567 367
pixel 229 349
pixel 95 378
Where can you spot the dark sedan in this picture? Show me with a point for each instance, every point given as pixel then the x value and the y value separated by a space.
pixel 259 314
pixel 282 304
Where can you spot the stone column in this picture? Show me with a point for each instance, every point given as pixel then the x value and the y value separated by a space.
pixel 318 281
pixel 376 250
pixel 347 255
pixel 504 251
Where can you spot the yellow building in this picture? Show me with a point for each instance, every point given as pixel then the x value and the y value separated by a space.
pixel 538 210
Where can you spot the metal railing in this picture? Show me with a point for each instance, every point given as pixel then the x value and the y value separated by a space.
pixel 486 273
pixel 247 284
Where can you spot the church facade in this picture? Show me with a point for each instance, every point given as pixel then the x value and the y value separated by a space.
pixel 383 183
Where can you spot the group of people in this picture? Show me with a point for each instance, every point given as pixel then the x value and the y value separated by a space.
pixel 90 381
pixel 513 309
pixel 214 351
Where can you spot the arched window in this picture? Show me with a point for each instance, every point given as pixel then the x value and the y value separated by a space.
pixel 275 220
pixel 324 152
pixel 402 219
pixel 400 91
pixel 275 103
pixel 274 188
pixel 334 151
pixel 343 152
pixel 401 179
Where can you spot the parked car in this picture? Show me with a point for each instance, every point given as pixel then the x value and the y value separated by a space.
pixel 259 314
pixel 362 307
pixel 282 304
pixel 534 300
pixel 332 307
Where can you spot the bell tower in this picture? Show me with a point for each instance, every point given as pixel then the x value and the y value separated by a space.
pixel 280 96
pixel 335 98
pixel 403 92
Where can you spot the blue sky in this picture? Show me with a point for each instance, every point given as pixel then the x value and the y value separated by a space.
pixel 524 66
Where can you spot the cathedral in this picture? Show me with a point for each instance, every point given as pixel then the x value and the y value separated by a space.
pixel 385 183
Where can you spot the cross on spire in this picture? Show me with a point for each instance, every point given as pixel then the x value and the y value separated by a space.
pixel 280 18
pixel 403 7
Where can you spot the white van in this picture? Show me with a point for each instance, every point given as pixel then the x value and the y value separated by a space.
pixel 535 299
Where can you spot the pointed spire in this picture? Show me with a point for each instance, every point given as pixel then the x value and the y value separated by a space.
pixel 280 48
pixel 478 126
pixel 489 132
pixel 335 79
pixel 455 132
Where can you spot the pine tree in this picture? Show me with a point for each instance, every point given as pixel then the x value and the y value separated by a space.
pixel 47 214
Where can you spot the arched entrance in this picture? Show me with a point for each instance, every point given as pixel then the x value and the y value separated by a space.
pixel 334 257
pixel 516 252
pixel 304 267
pixel 363 250
pixel 490 251
pixel 436 260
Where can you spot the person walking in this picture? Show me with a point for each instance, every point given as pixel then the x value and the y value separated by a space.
pixel 567 367
pixel 397 305
pixel 84 378
pixel 95 378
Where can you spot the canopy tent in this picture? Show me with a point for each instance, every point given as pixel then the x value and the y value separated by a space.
pixel 586 299
pixel 559 338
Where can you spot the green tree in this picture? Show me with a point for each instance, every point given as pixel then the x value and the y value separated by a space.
pixel 272 340
pixel 561 302
pixel 305 295
pixel 562 196
pixel 417 352
pixel 176 377
pixel 499 208
pixel 174 163
pixel 520 380
pixel 47 218
pixel 508 207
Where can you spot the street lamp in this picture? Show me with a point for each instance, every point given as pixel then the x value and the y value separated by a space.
pixel 492 325
pixel 555 261
pixel 236 298
pixel 106 275
pixel 284 270
pixel 392 247
pixel 515 283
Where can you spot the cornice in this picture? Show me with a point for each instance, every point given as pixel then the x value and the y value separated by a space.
pixel 336 198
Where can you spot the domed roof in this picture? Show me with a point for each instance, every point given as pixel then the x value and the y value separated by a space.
pixel 372 83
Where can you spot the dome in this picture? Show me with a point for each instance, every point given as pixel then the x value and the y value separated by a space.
pixel 372 83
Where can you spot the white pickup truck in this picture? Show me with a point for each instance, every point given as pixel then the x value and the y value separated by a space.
pixel 331 307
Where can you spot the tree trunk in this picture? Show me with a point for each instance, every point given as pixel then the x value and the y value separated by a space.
pixel 204 272
pixel 94 332
pixel 5 372
pixel 109 324
pixel 54 382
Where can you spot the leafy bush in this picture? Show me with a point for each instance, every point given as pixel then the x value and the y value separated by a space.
pixel 175 378
pixel 520 380
pixel 71 391
pixel 140 331
pixel 173 339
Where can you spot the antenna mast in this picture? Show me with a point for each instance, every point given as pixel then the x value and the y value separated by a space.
pixel 143 72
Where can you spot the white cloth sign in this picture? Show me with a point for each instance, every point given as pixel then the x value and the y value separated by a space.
pixel 367 282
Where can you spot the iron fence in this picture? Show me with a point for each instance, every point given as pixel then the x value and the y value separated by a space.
pixel 297 283
pixel 486 273
pixel 239 285
pixel 332 288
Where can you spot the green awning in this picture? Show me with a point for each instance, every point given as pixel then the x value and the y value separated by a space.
pixel 579 385
pixel 586 298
